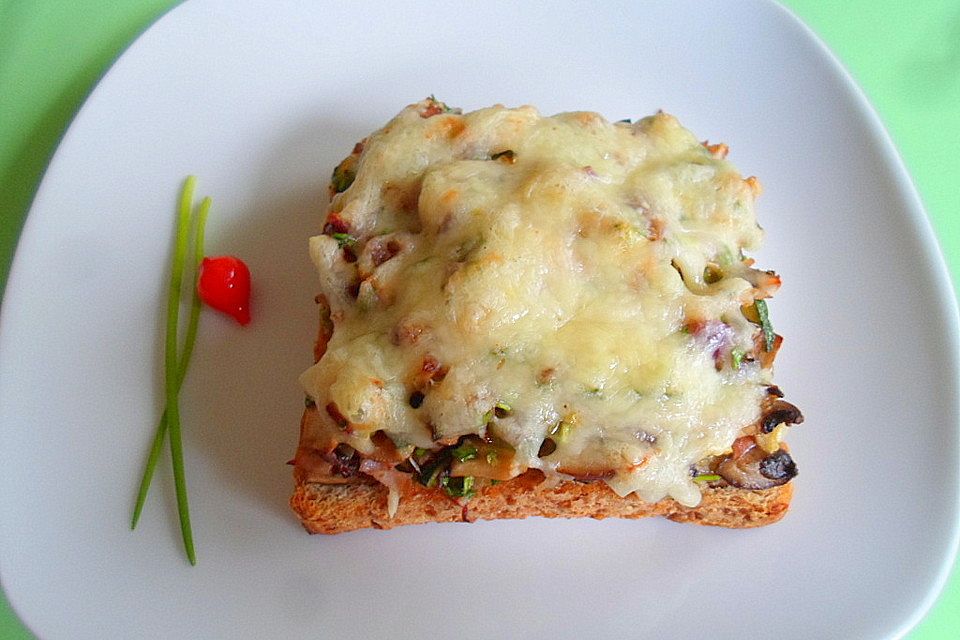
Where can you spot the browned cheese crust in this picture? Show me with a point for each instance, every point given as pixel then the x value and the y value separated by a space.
pixel 340 489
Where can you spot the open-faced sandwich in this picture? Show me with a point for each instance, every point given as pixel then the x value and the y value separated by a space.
pixel 540 316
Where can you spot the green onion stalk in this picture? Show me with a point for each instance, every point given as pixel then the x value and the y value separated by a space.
pixel 175 369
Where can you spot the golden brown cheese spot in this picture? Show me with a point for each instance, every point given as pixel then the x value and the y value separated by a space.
pixel 568 284
pixel 449 198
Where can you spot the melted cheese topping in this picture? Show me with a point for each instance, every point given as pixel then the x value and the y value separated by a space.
pixel 565 282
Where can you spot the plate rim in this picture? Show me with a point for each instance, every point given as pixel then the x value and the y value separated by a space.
pixel 945 288
pixel 920 222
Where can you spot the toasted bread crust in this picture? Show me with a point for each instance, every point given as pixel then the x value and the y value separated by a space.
pixel 324 508
pixel 337 505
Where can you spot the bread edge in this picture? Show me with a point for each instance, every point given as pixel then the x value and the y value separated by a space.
pixel 331 509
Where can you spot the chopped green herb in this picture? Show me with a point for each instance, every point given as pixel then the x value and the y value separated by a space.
pixel 431 471
pixel 419 452
pixel 464 452
pixel 429 477
pixel 442 105
pixel 492 457
pixel 342 177
pixel 594 391
pixel 625 120
pixel 458 487
pixel 486 418
pixel 737 356
pixel 501 409
pixel 344 240
pixel 430 474
pixel 710 477
pixel 769 337
pixel 494 483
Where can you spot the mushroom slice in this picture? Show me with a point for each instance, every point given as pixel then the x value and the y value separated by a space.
pixel 779 412
pixel 755 469
pixel 778 466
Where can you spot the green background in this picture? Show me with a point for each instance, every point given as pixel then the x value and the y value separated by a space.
pixel 906 56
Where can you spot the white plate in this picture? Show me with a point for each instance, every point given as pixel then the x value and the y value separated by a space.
pixel 260 100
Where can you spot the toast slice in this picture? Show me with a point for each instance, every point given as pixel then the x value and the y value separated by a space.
pixel 528 316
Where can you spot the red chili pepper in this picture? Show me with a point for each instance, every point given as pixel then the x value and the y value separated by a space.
pixel 224 284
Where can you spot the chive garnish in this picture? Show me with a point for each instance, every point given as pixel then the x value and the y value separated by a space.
pixel 709 477
pixel 189 341
pixel 464 452
pixel 430 475
pixel 769 337
pixel 737 355
pixel 431 470
pixel 344 240
pixel 175 369
pixel 172 370
pixel 458 487
pixel 442 105
pixel 342 177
